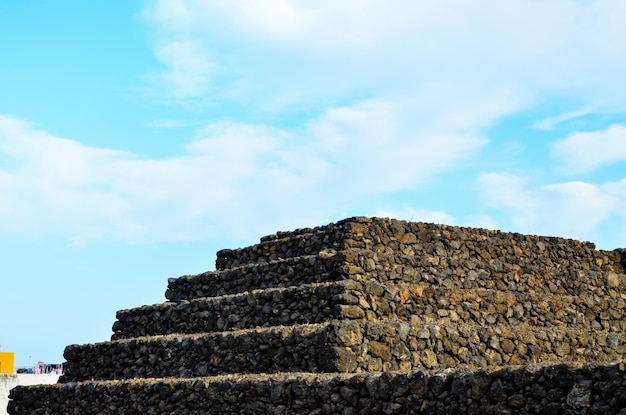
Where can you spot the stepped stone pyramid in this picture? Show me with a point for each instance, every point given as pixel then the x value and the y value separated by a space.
pixel 366 316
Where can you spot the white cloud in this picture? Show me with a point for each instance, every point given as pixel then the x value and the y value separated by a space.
pixel 189 69
pixel 289 52
pixel 482 221
pixel 378 143
pixel 551 123
pixel 574 209
pixel 417 215
pixel 588 151
pixel 233 179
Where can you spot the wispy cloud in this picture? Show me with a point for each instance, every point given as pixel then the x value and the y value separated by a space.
pixel 356 98
pixel 418 215
pixel 189 69
pixel 234 179
pixel 584 152
pixel 574 209
pixel 551 123
pixel 303 54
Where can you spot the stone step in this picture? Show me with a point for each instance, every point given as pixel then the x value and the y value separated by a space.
pixel 491 307
pixel 302 304
pixel 452 272
pixel 282 245
pixel 260 350
pixel 324 266
pixel 461 272
pixel 337 346
pixel 543 389
pixel 416 238
pixel 357 299
pixel 424 239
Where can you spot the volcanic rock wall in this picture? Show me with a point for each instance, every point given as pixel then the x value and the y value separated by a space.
pixel 545 390
pixel 442 312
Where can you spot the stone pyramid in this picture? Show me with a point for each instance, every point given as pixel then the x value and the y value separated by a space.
pixel 366 316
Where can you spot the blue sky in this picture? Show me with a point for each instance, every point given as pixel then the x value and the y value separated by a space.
pixel 138 138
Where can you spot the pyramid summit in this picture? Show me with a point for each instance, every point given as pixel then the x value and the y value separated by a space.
pixel 365 316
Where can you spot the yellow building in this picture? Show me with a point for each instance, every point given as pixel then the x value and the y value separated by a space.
pixel 7 363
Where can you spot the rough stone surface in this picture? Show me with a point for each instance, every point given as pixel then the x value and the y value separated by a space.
pixel 352 299
pixel 376 316
pixel 375 345
pixel 557 389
